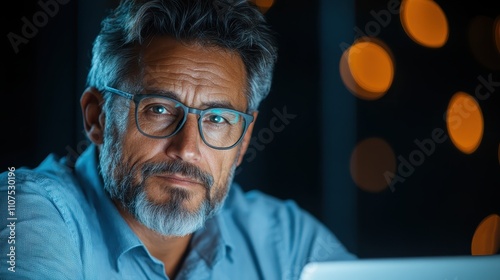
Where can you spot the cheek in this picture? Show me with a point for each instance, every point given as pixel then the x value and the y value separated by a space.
pixel 137 148
pixel 220 165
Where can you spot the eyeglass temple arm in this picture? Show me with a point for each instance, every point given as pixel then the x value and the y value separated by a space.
pixel 119 92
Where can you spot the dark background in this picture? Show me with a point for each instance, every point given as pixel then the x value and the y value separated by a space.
pixel 434 212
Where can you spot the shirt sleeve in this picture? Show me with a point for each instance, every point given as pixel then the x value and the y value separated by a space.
pixel 36 242
pixel 310 241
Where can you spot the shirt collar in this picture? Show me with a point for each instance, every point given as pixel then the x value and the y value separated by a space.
pixel 213 242
pixel 118 236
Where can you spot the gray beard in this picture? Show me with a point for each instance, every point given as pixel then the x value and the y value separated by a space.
pixel 170 218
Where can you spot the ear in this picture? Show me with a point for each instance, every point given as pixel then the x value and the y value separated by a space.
pixel 93 116
pixel 246 139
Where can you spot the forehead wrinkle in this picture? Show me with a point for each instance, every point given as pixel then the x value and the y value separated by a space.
pixel 199 70
pixel 208 98
pixel 209 79
pixel 205 83
pixel 186 81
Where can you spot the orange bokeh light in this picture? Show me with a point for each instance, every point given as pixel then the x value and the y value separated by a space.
pixel 263 5
pixel 486 239
pixel 367 68
pixel 371 159
pixel 464 121
pixel 484 42
pixel 425 22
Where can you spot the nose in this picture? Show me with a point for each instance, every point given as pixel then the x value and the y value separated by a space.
pixel 185 145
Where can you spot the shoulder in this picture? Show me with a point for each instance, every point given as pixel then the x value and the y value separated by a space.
pixel 285 222
pixel 50 187
pixel 44 202
pixel 258 214
pixel 51 180
pixel 50 172
pixel 255 204
pixel 47 191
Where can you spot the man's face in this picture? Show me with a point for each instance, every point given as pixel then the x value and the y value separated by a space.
pixel 173 185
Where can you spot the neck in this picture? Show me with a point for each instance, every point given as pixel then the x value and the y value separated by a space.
pixel 171 250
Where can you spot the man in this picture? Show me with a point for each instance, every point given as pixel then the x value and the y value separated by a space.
pixel 172 97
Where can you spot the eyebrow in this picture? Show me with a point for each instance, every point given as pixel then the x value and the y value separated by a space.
pixel 211 104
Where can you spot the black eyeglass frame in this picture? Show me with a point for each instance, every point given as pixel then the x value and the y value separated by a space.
pixel 138 97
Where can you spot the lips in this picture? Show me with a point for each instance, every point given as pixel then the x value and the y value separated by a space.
pixel 179 180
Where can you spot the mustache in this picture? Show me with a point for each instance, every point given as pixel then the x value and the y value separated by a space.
pixel 178 167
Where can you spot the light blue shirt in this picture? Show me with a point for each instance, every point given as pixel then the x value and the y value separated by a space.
pixel 66 227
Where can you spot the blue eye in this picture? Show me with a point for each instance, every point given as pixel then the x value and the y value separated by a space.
pixel 159 110
pixel 217 119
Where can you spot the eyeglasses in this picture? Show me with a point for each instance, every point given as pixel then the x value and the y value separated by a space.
pixel 158 116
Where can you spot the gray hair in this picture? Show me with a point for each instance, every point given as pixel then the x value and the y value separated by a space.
pixel 235 25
